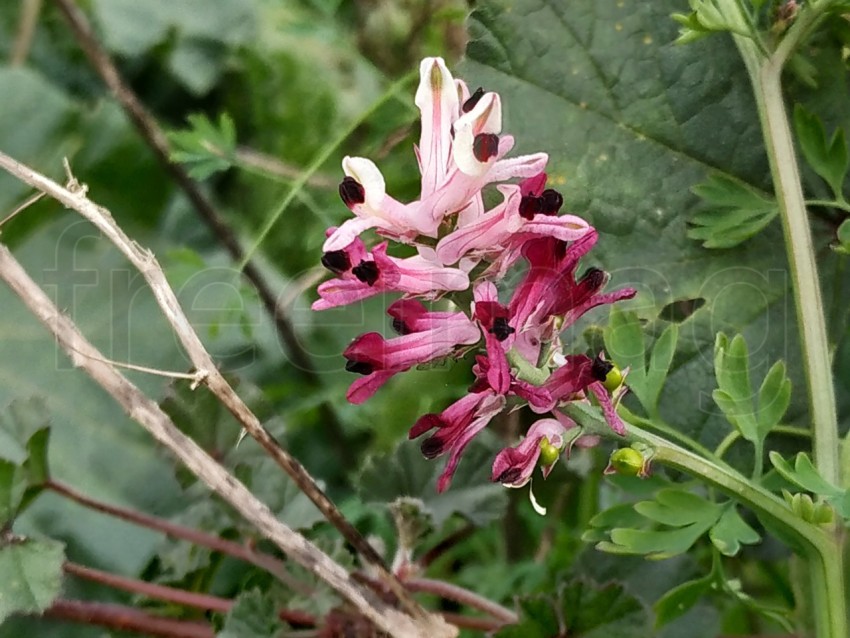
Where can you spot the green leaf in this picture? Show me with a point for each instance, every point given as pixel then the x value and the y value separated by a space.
pixel 731 531
pixel 805 475
pixel 254 615
pixel 734 212
pixel 622 515
pixel 537 620
pixel 405 472
pixel 625 345
pixel 592 611
pixel 205 148
pixel 774 397
pixel 210 25
pixel 656 544
pixel 843 235
pixel 659 365
pixel 624 341
pixel 688 514
pixel 735 396
pixel 680 599
pixel 708 16
pixel 828 157
pixel 31 573
pixel 631 124
pixel 13 484
pixel 582 610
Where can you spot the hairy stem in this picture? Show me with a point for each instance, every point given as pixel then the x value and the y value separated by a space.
pixel 766 76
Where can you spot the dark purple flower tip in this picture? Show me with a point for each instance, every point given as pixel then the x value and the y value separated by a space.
pixel 510 475
pixel 485 146
pixel 367 272
pixel 336 261
pixel 360 367
pixel 593 278
pixel 550 202
pixel 432 447
pixel 529 206
pixel 501 328
pixel 351 192
pixel 400 327
pixel 473 100
pixel 600 368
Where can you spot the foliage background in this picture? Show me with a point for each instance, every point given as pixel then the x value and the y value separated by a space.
pixel 631 121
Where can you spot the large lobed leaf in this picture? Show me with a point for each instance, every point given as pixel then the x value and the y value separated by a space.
pixel 632 122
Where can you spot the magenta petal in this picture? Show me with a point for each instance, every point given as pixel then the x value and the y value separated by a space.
pixel 608 409
pixel 340 292
pixel 365 387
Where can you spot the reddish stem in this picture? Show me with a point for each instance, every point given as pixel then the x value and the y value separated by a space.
pixel 462 596
pixel 237 550
pixel 471 622
pixel 151 590
pixel 123 618
pixel 445 545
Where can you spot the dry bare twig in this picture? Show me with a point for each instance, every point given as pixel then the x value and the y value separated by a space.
pixel 151 416
pixel 153 135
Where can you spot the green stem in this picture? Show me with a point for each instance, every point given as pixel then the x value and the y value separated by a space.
pixel 765 75
pixel 821 549
pixel 829 203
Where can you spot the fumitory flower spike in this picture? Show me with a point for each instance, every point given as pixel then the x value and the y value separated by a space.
pixel 465 251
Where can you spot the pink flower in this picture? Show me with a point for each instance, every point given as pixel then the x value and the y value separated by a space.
pixel 493 318
pixel 426 336
pixel 493 231
pixel 377 272
pixel 514 466
pixel 460 152
pixel 579 374
pixel 456 426
pixel 538 398
pixel 550 289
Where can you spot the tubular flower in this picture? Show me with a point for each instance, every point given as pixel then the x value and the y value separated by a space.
pixel 463 250
pixel 425 336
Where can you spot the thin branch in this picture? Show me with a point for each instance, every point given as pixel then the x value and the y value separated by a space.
pixel 157 422
pixel 268 563
pixel 150 590
pixel 473 622
pixel 445 545
pixel 270 165
pixel 124 618
pixel 462 596
pixel 156 139
pixel 74 197
pixel 29 201
pixel 30 10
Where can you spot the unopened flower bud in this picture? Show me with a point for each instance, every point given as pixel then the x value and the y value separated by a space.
pixel 548 453
pixel 627 461
pixel 613 379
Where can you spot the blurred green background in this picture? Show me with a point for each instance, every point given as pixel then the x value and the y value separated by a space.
pixel 631 122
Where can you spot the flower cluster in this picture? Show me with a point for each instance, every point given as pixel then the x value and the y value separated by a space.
pixel 462 248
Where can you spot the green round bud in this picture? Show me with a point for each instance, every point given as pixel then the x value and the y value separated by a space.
pixel 614 379
pixel 627 461
pixel 548 453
